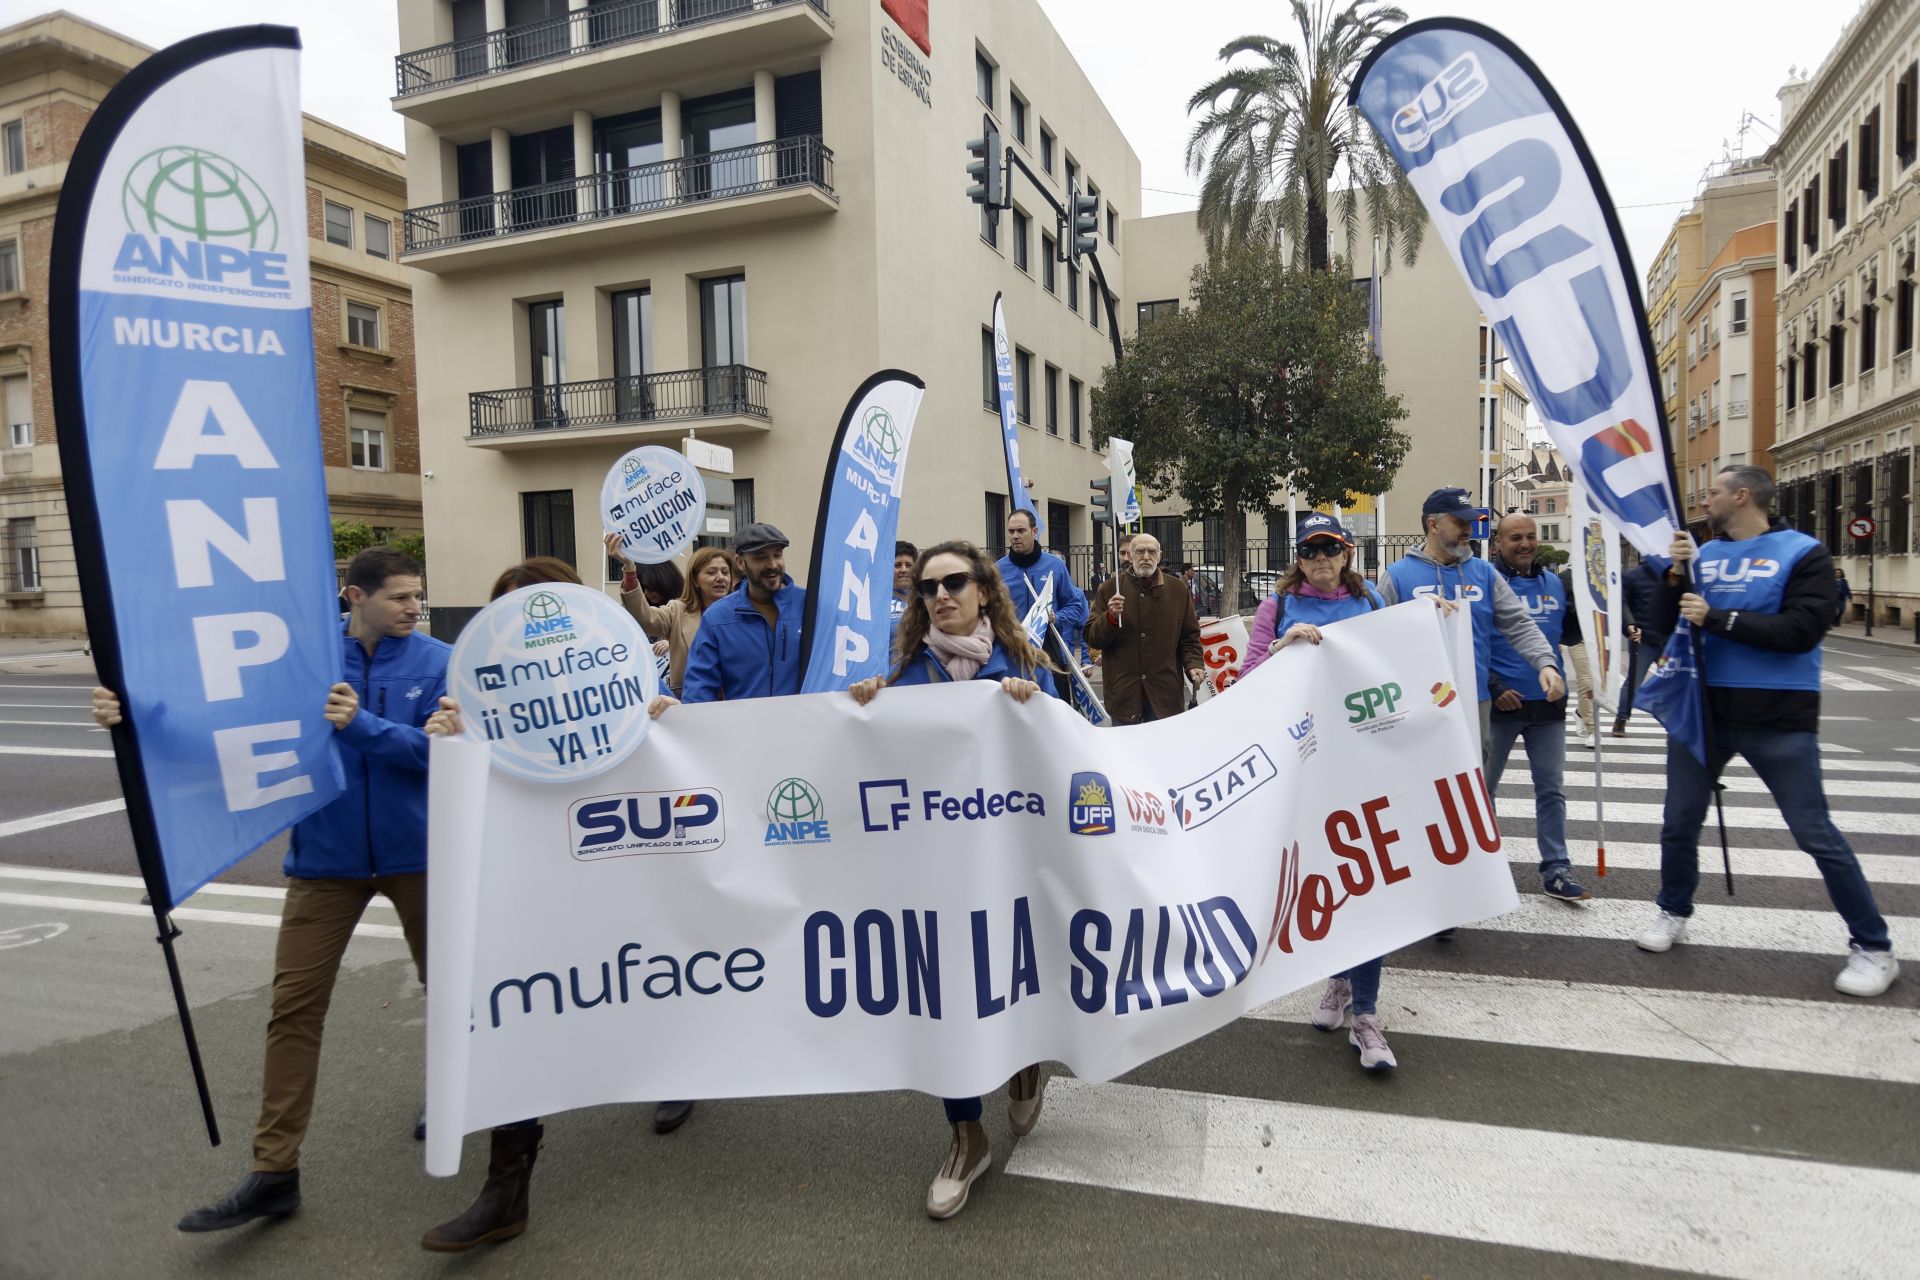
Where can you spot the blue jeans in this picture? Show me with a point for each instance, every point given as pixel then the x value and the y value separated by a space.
pixel 960 1110
pixel 1547 758
pixel 1789 763
pixel 1365 981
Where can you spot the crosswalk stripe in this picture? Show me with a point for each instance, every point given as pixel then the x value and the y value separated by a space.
pixel 1764 1033
pixel 1651 1204
pixel 1712 925
pixel 1847 684
pixel 1765 817
pixel 20 826
pixel 101 906
pixel 1612 760
pixel 1658 742
pixel 105 752
pixel 1740 784
pixel 1883 673
pixel 1880 868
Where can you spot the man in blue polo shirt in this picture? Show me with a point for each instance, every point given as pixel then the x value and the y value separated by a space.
pixel 1444 567
pixel 1764 601
pixel 1521 707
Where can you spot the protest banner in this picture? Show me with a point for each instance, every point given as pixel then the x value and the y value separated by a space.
pixel 656 501
pixel 1223 643
pixel 1009 419
pixel 803 895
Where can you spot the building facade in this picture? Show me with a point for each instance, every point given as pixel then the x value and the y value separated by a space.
pixel 1849 229
pixel 633 222
pixel 1727 389
pixel 54 71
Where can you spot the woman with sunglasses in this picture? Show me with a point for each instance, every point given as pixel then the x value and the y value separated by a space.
pixel 960 625
pixel 674 621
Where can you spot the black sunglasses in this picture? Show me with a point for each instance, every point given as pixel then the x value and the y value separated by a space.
pixel 955 583
pixel 1317 548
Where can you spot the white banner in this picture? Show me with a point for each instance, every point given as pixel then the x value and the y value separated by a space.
pixel 656 501
pixel 1126 491
pixel 801 895
pixel 1223 646
pixel 1596 594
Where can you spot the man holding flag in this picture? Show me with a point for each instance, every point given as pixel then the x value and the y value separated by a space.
pixel 1763 602
pixel 1033 573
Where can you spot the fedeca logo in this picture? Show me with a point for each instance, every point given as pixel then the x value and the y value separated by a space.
pixel 1091 811
pixel 795 814
pixel 197 221
pixel 1207 797
pixel 644 822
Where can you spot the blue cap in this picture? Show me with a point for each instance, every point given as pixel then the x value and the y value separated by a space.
pixel 1321 526
pixel 1449 502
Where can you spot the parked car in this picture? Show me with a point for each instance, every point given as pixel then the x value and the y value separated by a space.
pixel 1255 585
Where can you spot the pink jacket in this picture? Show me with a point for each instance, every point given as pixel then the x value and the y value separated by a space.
pixel 1261 637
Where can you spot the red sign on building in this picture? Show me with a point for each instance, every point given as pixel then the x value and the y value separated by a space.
pixel 912 17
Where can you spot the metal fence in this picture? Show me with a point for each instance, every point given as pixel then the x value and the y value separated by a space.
pixel 718 175
pixel 597 26
pixel 724 391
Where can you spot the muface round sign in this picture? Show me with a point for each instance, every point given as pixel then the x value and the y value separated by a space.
pixel 656 501
pixel 556 678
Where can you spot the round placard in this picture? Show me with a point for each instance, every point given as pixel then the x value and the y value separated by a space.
pixel 556 678
pixel 656 501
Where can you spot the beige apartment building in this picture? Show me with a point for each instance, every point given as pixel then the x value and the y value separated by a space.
pixel 1727 407
pixel 54 71
pixel 1849 229
pixel 638 220
pixel 1440 356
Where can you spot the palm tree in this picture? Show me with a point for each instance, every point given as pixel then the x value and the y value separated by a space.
pixel 1277 134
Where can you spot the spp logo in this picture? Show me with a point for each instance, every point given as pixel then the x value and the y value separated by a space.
pixel 1730 573
pixel 1207 797
pixel 1091 812
pixel 795 814
pixel 1439 101
pixel 1464 591
pixel 491 677
pixel 646 822
pixel 1376 708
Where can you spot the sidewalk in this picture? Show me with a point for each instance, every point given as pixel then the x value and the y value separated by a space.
pixel 65 656
pixel 1894 636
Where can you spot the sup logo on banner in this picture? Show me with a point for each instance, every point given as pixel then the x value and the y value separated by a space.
pixel 556 679
pixel 646 822
pixel 1206 798
pixel 796 814
pixel 656 501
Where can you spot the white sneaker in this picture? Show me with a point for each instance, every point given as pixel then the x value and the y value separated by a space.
pixel 1331 1012
pixel 1868 973
pixel 1665 930
pixel 1371 1040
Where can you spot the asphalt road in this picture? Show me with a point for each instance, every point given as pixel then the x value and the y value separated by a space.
pixel 1565 1104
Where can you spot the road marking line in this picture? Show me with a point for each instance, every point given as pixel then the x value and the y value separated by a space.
pixel 1883 673
pixel 59 817
pixel 75 688
pixel 1725 1213
pixel 1765 817
pixel 106 753
pixel 106 880
pixel 1712 925
pixel 197 914
pixel 55 724
pixel 1847 684
pixel 47 706
pixel 1617 760
pixel 1791 864
pixel 1649 743
pixel 1764 1033
pixel 1856 788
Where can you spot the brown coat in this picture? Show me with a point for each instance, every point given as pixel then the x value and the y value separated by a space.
pixel 671 622
pixel 1151 653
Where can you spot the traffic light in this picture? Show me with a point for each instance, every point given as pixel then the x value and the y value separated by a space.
pixel 1085 211
pixel 1102 500
pixel 989 179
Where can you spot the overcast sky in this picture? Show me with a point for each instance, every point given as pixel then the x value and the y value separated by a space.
pixel 1659 87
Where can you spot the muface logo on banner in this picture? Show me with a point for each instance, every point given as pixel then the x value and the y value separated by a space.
pixel 557 678
pixel 656 501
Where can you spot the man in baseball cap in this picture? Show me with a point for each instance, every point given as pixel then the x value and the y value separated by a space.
pixel 748 645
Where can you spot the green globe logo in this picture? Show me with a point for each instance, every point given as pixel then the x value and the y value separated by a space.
pixel 881 433
pixel 187 191
pixel 544 605
pixel 793 800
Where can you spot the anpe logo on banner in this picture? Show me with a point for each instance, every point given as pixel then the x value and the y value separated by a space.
pixel 1375 708
pixel 796 814
pixel 199 222
pixel 1206 798
pixel 646 822
pixel 1091 810
pixel 878 446
pixel 886 804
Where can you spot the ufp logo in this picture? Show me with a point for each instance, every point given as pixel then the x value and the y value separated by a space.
pixel 546 613
pixel 1091 810
pixel 646 822
pixel 1374 706
pixel 1440 100
pixel 795 814
pixel 1746 569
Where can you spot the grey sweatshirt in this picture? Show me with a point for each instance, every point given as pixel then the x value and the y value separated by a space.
pixel 1509 614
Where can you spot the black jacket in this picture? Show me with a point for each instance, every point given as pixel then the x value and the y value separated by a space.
pixel 1806 613
pixel 1638 588
pixel 1570 635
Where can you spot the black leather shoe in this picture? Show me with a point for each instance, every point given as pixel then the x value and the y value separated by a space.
pixel 420 1125
pixel 259 1195
pixel 669 1116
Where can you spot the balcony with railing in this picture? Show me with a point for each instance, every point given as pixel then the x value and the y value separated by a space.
pixel 724 400
pixel 599 47
pixel 766 181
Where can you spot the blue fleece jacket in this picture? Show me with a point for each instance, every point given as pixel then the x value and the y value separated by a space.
pixel 737 655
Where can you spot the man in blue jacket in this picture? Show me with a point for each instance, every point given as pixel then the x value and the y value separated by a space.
pixel 748 645
pixel 1521 707
pixel 1637 590
pixel 1024 569
pixel 372 839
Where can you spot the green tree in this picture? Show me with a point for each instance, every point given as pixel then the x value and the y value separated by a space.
pixel 1265 376
pixel 351 537
pixel 1276 134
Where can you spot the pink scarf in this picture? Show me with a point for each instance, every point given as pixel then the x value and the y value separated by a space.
pixel 963 656
pixel 1314 593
